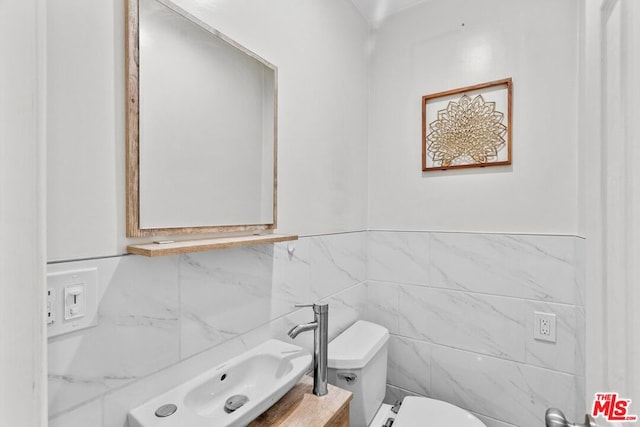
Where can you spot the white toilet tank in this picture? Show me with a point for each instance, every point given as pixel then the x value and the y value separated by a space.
pixel 358 363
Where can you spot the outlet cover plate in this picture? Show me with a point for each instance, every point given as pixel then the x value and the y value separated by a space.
pixel 51 306
pixel 58 281
pixel 544 326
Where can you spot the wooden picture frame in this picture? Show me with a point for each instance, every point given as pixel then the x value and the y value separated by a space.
pixel 467 127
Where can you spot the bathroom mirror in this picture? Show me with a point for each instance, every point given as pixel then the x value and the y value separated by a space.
pixel 201 128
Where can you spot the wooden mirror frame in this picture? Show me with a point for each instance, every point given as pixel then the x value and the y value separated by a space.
pixel 132 151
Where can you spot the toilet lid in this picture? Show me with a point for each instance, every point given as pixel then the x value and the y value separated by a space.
pixel 422 411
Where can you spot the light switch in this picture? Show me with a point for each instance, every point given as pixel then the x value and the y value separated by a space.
pixel 74 302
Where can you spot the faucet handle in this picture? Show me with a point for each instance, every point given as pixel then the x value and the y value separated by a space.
pixel 317 308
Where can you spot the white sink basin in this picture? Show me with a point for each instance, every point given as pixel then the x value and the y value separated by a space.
pixel 253 381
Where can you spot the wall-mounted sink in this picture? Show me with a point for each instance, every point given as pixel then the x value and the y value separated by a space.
pixel 231 394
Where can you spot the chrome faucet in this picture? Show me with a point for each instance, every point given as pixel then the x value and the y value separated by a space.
pixel 320 344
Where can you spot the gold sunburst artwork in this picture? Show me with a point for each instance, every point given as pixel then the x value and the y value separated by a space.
pixel 467 128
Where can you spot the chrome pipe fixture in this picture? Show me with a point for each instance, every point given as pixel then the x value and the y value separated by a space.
pixel 320 327
pixel 555 418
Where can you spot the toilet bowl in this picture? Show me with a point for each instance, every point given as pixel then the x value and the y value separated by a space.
pixel 357 360
pixel 422 411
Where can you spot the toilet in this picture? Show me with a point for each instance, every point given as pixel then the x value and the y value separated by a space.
pixel 357 361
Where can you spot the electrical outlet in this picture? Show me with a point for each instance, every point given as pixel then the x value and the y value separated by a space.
pixel 51 306
pixel 544 326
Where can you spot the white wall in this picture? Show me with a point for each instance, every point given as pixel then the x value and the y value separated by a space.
pixel 22 340
pixel 85 128
pixel 610 132
pixel 322 115
pixel 442 45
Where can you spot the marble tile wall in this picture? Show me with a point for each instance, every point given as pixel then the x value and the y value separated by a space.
pixel 162 320
pixel 460 309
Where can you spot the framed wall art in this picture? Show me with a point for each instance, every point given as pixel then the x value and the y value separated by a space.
pixel 467 127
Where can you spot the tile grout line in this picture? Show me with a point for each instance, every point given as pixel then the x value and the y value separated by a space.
pixel 438 288
pixel 434 344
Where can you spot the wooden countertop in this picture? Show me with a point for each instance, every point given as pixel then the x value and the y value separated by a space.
pixel 300 407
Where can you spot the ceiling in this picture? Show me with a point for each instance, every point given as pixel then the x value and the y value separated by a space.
pixel 377 10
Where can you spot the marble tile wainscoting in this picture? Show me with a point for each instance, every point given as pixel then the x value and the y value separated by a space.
pixel 460 306
pixel 163 320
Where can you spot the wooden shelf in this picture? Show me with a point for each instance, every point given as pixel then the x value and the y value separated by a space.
pixel 300 407
pixel 188 246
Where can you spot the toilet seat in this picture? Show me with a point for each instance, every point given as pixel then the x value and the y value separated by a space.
pixel 422 411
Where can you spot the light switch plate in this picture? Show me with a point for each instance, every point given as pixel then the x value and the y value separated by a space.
pixel 63 284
